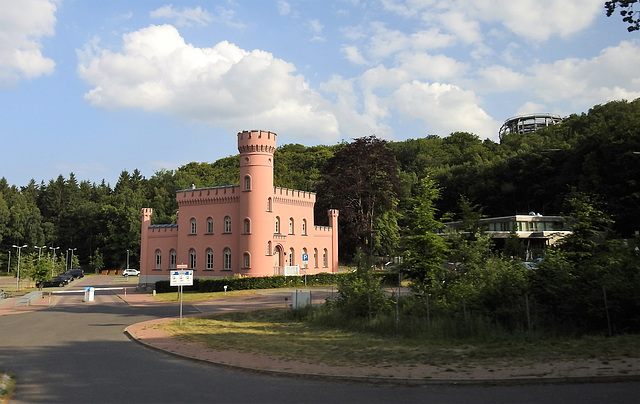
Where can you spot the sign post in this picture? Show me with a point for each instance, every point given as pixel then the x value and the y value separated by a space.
pixel 180 277
pixel 305 261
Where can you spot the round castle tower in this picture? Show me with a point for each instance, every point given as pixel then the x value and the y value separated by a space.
pixel 256 149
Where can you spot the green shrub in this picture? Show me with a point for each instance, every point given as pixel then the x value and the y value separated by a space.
pixel 247 283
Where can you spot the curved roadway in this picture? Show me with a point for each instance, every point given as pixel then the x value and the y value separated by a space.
pixel 76 352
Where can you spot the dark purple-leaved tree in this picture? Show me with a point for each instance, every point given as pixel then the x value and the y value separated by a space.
pixel 362 181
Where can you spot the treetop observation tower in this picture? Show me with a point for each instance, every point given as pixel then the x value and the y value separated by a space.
pixel 529 123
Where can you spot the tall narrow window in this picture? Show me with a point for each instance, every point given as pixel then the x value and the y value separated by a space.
pixel 247 183
pixel 268 247
pixel 304 227
pixel 277 225
pixel 247 260
pixel 290 225
pixel 227 259
pixel 227 224
pixel 324 258
pixel 247 226
pixel 210 225
pixel 292 256
pixel 269 208
pixel 172 259
pixel 193 226
pixel 158 259
pixel 315 258
pixel 192 259
pixel 209 259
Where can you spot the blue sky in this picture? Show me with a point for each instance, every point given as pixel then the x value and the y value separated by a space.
pixel 96 87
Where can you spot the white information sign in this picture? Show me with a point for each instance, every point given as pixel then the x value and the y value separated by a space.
pixel 181 277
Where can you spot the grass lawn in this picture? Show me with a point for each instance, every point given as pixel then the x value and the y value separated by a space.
pixel 274 333
pixel 197 296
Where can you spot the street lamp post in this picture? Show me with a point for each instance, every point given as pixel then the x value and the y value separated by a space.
pixel 127 259
pixel 39 250
pixel 71 262
pixel 18 277
pixel 53 258
pixel 9 263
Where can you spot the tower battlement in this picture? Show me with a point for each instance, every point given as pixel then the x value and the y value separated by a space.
pixel 256 141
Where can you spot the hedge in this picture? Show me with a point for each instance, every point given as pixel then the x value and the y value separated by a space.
pixel 267 282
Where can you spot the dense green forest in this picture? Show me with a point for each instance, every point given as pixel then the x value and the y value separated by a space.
pixel 376 185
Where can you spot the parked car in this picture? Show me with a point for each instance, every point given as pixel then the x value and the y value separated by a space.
pixel 55 281
pixel 76 272
pixel 67 277
pixel 130 272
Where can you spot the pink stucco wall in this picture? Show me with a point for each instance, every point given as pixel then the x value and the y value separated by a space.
pixel 270 227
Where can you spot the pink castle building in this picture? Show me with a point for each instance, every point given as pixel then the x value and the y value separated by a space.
pixel 251 229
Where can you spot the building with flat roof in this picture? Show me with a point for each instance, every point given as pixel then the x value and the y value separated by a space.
pixel 251 229
pixel 535 231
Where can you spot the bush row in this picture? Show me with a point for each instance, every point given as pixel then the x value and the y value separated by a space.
pixel 268 282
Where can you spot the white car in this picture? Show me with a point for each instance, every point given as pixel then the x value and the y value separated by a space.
pixel 130 271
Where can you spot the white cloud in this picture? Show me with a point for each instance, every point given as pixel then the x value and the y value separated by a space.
pixel 23 24
pixel 186 17
pixel 530 19
pixel 585 82
pixel 541 19
pixel 189 16
pixel 457 22
pixel 444 108
pixel 531 108
pixel 383 42
pixel 353 55
pixel 316 28
pixel 496 79
pixel 224 85
pixel 284 8
pixel 359 115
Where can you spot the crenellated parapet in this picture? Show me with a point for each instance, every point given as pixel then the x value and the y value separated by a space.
pixel 257 141
pixel 205 196
pixel 286 196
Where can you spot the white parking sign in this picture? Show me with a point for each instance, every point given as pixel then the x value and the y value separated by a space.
pixel 181 278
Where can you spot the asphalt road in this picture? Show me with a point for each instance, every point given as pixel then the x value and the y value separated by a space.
pixel 76 352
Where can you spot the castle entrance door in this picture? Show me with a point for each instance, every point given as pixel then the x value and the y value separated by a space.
pixel 277 256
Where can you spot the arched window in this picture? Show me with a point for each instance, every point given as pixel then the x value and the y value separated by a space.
pixel 247 183
pixel 192 259
pixel 209 225
pixel 158 259
pixel 193 225
pixel 315 258
pixel 324 258
pixel 209 259
pixel 247 226
pixel 277 225
pixel 292 256
pixel 227 259
pixel 304 227
pixel 247 260
pixel 269 207
pixel 227 224
pixel 290 225
pixel 268 247
pixel 172 259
